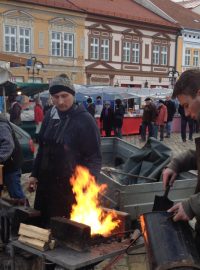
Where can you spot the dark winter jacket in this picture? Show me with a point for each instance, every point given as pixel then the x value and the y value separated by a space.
pixel 171 109
pixel 91 109
pixel 66 139
pixel 107 118
pixel 150 113
pixel 15 113
pixel 118 116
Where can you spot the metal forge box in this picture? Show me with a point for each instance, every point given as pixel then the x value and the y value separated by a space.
pixel 78 236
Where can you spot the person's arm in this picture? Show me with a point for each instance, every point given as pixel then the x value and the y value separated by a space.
pixel 89 146
pixel 183 162
pixel 6 142
pixel 187 209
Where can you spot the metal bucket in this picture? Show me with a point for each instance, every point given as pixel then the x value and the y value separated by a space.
pixel 169 244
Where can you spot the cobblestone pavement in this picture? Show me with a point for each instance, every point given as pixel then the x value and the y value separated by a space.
pixel 139 262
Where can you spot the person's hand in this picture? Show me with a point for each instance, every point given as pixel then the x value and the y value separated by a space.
pixel 169 177
pixel 32 184
pixel 179 213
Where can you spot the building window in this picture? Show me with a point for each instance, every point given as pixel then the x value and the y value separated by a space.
pixel 156 55
pixel 68 45
pixel 160 55
pixel 99 49
pixel 126 52
pixel 163 55
pixel 187 57
pixel 105 49
pixel 94 48
pixel 56 44
pixel 17 39
pixel 62 44
pixel 24 40
pixel 135 53
pixel 196 58
pixel 131 55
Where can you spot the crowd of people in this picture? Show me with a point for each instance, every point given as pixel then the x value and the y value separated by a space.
pixel 68 135
pixel 158 116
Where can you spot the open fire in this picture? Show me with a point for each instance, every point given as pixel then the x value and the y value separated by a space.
pixel 87 209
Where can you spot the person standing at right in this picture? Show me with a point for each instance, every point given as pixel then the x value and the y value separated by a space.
pixel 106 118
pixel 171 110
pixel 148 119
pixel 118 118
pixel 184 120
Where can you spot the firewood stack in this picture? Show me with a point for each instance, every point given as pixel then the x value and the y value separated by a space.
pixel 36 237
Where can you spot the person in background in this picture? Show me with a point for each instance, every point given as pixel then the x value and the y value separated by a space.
pixel 161 119
pixel 68 137
pixel 148 118
pixel 12 158
pixel 118 118
pixel 15 110
pixel 187 90
pixel 98 105
pixel 38 116
pixel 184 121
pixel 90 106
pixel 171 110
pixel 48 105
pixel 107 118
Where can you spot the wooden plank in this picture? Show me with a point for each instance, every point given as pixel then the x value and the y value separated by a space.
pixel 34 232
pixel 35 243
pixel 71 234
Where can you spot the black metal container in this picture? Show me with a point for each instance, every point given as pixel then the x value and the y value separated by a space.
pixel 169 244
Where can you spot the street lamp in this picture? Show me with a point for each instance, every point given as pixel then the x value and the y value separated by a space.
pixel 34 66
pixel 173 75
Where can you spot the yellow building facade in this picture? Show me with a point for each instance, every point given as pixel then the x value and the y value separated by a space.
pixel 51 38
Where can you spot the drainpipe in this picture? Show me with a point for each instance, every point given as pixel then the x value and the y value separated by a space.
pixel 176 48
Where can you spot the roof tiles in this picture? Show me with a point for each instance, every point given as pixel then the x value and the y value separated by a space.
pixel 185 17
pixel 124 9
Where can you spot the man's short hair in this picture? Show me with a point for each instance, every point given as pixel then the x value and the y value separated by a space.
pixel 147 99
pixel 188 83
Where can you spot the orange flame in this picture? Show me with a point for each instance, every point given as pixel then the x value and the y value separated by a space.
pixel 87 209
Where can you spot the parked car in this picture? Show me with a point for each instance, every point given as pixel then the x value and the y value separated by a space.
pixel 27 147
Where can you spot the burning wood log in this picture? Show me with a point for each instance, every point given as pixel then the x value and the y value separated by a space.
pixel 35 237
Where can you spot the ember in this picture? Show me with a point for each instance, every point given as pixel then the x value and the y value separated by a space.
pixel 87 209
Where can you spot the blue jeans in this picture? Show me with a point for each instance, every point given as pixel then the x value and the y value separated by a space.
pixel 168 128
pixel 13 184
pixel 184 122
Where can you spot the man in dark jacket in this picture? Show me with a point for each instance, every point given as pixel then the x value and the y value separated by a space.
pixel 148 119
pixel 118 118
pixel 90 106
pixel 69 136
pixel 11 158
pixel 171 109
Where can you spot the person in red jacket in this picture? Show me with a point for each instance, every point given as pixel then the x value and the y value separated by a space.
pixel 161 119
pixel 38 117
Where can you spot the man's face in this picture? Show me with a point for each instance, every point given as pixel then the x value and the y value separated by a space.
pixel 63 100
pixel 191 105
